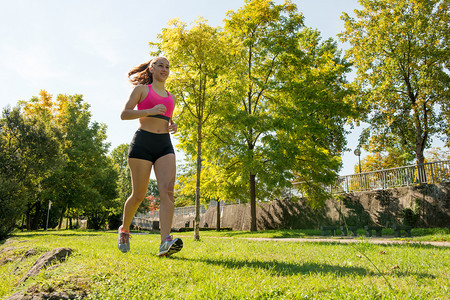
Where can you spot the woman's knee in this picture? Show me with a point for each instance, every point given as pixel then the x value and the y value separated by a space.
pixel 136 198
pixel 166 188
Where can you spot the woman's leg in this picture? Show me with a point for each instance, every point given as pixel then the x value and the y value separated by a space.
pixel 165 171
pixel 140 175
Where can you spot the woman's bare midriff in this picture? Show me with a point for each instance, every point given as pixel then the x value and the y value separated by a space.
pixel 154 125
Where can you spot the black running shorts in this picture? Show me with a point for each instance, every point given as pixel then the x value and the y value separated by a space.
pixel 150 146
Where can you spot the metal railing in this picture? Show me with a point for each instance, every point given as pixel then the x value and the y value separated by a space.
pixel 434 172
pixel 187 210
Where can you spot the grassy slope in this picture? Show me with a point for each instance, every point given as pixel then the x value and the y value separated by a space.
pixel 233 268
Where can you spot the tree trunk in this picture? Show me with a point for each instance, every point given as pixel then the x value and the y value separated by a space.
pixel 28 218
pixel 197 190
pixel 37 216
pixel 420 144
pixel 63 211
pixel 218 216
pixel 253 202
pixel 420 147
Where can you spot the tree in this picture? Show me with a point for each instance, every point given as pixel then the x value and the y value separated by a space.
pixel 12 203
pixel 119 156
pixel 264 31
pixel 42 108
pixel 311 108
pixel 391 158
pixel 401 52
pixel 199 57
pixel 185 183
pixel 438 154
pixel 102 194
pixel 290 108
pixel 29 152
pixel 86 175
pixel 86 151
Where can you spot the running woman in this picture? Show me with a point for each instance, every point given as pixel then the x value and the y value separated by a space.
pixel 151 147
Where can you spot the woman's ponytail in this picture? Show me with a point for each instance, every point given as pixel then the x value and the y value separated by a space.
pixel 141 74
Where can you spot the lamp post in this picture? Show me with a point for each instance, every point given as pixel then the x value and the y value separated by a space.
pixel 48 213
pixel 358 153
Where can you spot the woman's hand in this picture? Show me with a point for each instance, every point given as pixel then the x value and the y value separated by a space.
pixel 159 109
pixel 172 127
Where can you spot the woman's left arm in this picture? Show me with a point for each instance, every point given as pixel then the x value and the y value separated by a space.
pixel 172 125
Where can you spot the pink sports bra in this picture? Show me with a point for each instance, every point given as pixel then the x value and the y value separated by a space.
pixel 153 99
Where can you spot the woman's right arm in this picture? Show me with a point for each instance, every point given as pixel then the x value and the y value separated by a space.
pixel 138 94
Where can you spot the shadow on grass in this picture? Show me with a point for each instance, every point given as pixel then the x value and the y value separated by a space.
pixel 289 269
pixel 31 234
pixel 282 268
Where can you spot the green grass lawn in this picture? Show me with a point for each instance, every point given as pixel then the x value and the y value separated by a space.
pixel 232 267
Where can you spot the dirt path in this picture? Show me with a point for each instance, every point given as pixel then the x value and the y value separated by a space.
pixel 343 240
pixel 373 240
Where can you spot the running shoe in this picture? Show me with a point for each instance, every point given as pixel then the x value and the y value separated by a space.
pixel 170 246
pixel 124 240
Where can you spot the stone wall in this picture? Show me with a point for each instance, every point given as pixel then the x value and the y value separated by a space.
pixel 427 205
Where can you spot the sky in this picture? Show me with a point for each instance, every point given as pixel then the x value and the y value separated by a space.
pixel 87 47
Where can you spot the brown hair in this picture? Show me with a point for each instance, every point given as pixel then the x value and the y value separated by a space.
pixel 141 74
